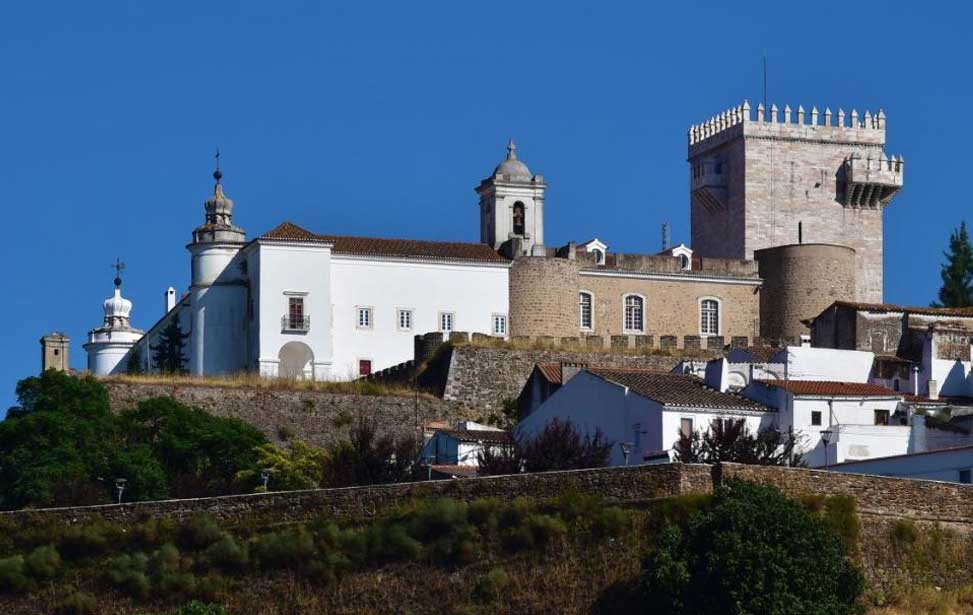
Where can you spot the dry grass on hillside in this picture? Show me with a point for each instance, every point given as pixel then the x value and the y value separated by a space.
pixel 245 380
pixel 930 601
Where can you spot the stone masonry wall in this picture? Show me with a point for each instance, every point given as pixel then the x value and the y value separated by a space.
pixel 544 297
pixel 482 378
pixel 315 417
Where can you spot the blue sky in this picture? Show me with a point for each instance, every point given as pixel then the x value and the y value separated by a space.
pixel 380 119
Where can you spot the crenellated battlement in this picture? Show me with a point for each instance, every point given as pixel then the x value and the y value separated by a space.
pixel 795 123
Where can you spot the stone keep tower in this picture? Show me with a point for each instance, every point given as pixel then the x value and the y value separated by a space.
pixel 785 178
pixel 54 351
pixel 512 208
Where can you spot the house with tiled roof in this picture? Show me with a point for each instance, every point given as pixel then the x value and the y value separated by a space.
pixel 642 411
pixel 454 451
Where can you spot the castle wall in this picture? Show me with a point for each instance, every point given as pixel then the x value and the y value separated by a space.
pixel 544 297
pixel 800 281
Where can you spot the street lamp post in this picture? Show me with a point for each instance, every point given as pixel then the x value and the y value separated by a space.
pixel 825 438
pixel 120 486
pixel 265 476
pixel 626 450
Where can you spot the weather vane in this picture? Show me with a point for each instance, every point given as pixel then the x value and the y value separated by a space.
pixel 118 267
pixel 217 174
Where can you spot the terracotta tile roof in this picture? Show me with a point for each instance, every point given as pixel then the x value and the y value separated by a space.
pixel 479 435
pixel 551 372
pixel 374 246
pixel 755 354
pixel 454 470
pixel 832 389
pixel 889 307
pixel 676 389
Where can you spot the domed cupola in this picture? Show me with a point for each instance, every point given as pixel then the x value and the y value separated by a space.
pixel 112 342
pixel 117 308
pixel 512 208
pixel 512 169
pixel 218 227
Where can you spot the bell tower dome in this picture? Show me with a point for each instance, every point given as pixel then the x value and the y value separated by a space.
pixel 110 344
pixel 512 207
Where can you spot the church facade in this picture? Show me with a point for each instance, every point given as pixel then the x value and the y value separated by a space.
pixel 295 303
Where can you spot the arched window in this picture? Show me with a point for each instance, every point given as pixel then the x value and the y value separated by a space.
pixel 634 314
pixel 709 317
pixel 599 256
pixel 584 306
pixel 518 218
pixel 684 261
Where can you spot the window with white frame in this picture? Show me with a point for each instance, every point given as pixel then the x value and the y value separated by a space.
pixel 446 322
pixel 634 314
pixel 364 318
pixel 709 317
pixel 500 325
pixel 405 320
pixel 584 307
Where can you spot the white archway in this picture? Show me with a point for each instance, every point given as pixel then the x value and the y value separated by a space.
pixel 296 361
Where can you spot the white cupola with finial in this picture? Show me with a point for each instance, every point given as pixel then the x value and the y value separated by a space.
pixel 109 344
pixel 512 208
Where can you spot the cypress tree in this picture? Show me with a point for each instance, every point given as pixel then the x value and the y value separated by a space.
pixel 169 354
pixel 957 271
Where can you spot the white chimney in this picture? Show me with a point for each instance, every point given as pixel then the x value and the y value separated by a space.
pixel 933 389
pixel 805 340
pixel 717 375
pixel 170 299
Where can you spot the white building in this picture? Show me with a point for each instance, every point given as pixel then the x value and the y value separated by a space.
pixel 109 345
pixel 457 451
pixel 643 409
pixel 949 464
pixel 293 303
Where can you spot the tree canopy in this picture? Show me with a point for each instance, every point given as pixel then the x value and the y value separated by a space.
pixel 957 271
pixel 559 446
pixel 753 551
pixel 732 441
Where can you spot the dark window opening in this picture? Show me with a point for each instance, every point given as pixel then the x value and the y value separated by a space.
pixel 815 417
pixel 964 477
pixel 364 367
pixel 881 417
pixel 686 427
pixel 56 352
pixel 518 218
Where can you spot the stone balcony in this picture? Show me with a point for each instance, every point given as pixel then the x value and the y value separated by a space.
pixel 872 183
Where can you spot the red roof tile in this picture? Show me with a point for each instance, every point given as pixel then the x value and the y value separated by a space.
pixel 487 436
pixel 672 389
pixel 374 246
pixel 832 389
pixel 551 372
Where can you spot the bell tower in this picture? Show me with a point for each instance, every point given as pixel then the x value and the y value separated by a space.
pixel 512 208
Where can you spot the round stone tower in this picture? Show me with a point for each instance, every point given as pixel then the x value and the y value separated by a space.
pixel 799 282
pixel 110 343
pixel 544 297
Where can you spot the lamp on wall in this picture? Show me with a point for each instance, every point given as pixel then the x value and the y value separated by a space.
pixel 825 438
pixel 626 449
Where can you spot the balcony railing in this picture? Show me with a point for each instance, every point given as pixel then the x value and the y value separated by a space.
pixel 295 323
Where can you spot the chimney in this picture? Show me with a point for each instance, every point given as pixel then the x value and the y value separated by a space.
pixel 717 375
pixel 805 340
pixel 915 380
pixel 933 389
pixel 170 299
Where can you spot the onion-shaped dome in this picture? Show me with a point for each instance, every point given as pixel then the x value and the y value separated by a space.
pixel 117 308
pixel 219 207
pixel 511 168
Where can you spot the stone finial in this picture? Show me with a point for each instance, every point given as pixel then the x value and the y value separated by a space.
pixel 787 114
pixel 773 113
pixel 800 114
pixel 868 119
pixel 827 116
pixel 814 116
pixel 880 119
pixel 760 112
pixel 854 118
pixel 745 108
pixel 841 116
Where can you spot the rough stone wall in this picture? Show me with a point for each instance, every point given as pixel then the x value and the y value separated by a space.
pixel 800 281
pixel 623 483
pixel 672 306
pixel 482 378
pixel 315 417
pixel 544 297
pixel 782 174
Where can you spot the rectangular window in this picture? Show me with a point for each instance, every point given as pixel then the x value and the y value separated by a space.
pixel 295 319
pixel 634 306
pixel 405 320
pixel 364 367
pixel 446 322
pixel 584 306
pixel 364 318
pixel 881 417
pixel 686 427
pixel 964 477
pixel 500 325
pixel 815 417
pixel 709 317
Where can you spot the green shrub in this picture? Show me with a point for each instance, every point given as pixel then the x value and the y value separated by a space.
pixel 903 534
pixel 546 530
pixel 575 505
pixel 43 562
pixel 484 512
pixel 752 551
pixel 492 584
pixel 200 532
pixel 86 541
pixel 343 418
pixel 391 542
pixel 290 548
pixel 12 577
pixel 127 572
pixel 841 517
pixel 226 554
pixel 611 522
pixel 77 603
pixel 515 513
pixel 198 608
pixel 155 532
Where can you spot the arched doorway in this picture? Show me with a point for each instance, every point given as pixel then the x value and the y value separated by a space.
pixel 296 361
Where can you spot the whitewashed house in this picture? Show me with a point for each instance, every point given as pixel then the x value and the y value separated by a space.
pixel 643 409
pixel 456 451
pixel 953 465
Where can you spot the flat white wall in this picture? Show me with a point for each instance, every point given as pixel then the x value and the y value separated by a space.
pixel 806 363
pixel 672 420
pixel 287 270
pixel 938 465
pixel 473 293
pixel 852 423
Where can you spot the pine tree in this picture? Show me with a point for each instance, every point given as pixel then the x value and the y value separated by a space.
pixel 134 365
pixel 168 355
pixel 957 271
